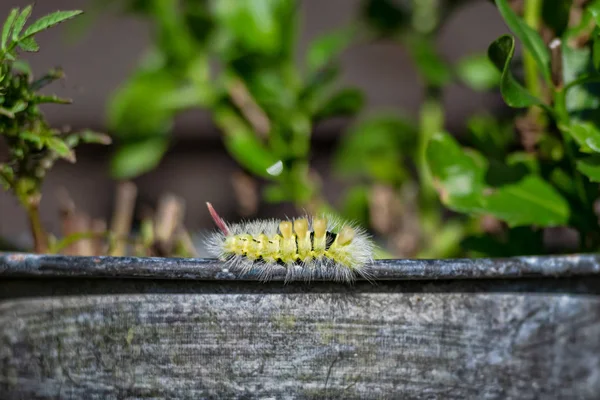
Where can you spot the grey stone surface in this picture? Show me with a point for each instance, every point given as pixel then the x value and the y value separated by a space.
pixel 74 334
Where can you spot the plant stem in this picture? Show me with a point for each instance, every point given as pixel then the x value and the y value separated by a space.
pixel 431 122
pixel 532 17
pixel 563 120
pixel 40 239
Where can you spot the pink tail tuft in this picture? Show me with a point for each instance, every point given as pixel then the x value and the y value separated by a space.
pixel 218 220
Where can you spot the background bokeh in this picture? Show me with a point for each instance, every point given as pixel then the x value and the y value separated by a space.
pixel 98 59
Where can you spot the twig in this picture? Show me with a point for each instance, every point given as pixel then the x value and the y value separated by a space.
pixel 123 216
pixel 242 98
pixel 40 238
pixel 185 240
pixel 168 218
pixel 556 63
pixel 99 228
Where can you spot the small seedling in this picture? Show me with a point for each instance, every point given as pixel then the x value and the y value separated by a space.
pixel 33 146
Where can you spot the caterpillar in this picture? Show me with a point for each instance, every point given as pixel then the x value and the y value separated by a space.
pixel 307 248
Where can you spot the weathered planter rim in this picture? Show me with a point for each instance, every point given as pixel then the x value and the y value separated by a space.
pixel 27 265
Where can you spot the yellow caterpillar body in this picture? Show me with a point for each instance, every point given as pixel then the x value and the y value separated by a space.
pixel 308 248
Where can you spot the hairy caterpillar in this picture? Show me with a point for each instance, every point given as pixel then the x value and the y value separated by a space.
pixel 308 248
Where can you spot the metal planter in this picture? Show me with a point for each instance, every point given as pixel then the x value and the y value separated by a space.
pixel 143 328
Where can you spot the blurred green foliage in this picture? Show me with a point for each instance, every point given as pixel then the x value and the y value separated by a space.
pixel 414 184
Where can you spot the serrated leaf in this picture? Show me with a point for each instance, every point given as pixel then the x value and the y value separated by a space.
pixel 586 135
pixel 6 28
pixel 6 112
pixel 50 99
pixel 531 201
pixel 21 66
pixel 61 148
pixel 28 44
pixel 20 22
pixel 531 40
pixel 590 167
pixel 89 136
pixel 19 106
pixel 501 52
pixel 33 138
pixel 460 179
pixel 48 21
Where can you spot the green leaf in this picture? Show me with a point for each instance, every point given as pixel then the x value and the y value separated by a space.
pixel 346 102
pixel 19 106
pixel 590 167
pixel 21 66
pixel 327 48
pixel 48 21
pixel 596 49
pixel 531 201
pixel 593 9
pixel 242 143
pixel 88 136
pixel 20 22
pixel 50 99
pixel 6 28
pixel 316 88
pixel 28 44
pixel 478 72
pixel 434 70
pixel 276 193
pixel 33 138
pixel 563 181
pixel 140 108
pixel 254 25
pixel 555 14
pixel 136 158
pixel 582 100
pixel 501 52
pixel 459 178
pixel 490 136
pixel 356 205
pixel 376 147
pixel 531 40
pixel 586 135
pixel 61 148
pixel 527 160
pixel 513 242
pixel 499 173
